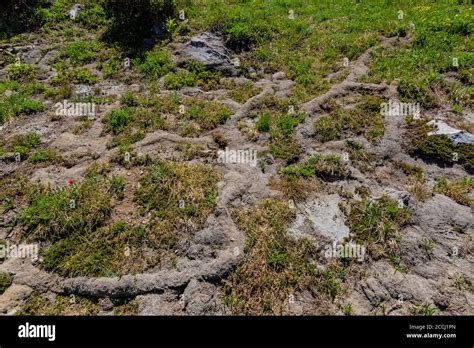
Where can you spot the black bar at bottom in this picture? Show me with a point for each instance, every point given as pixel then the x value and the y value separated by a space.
pixel 225 331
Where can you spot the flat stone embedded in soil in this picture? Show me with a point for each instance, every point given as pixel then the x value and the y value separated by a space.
pixel 321 216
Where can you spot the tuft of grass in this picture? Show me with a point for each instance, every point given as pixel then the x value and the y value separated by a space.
pixel 364 118
pixel 207 114
pixel 376 222
pixel 43 156
pixel 5 282
pixel 128 308
pixel 411 170
pixel 425 309
pixel 328 167
pixel 60 306
pixel 117 120
pixel 458 190
pixel 427 245
pixel 106 251
pixel 244 92
pixel 179 196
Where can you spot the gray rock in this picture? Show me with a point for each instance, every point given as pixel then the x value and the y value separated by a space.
pixel 457 136
pixel 200 298
pixel 208 49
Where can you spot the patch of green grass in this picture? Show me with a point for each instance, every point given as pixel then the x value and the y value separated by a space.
pixel 106 251
pixel 275 265
pixel 43 156
pixel 81 52
pixel 76 76
pixel 53 214
pixel 21 144
pixel 361 159
pixel 329 168
pixel 207 114
pixel 13 189
pixel 179 79
pixel 376 222
pixel 244 92
pixel 411 170
pixel 21 72
pixel 117 120
pixel 156 64
pixel 60 306
pixel 362 119
pixel 5 282
pixel 19 101
pixel 179 197
pixel 117 186
pixel 128 308
pixel 458 190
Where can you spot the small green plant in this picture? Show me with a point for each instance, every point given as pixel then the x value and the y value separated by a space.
pixel 427 245
pixel 424 308
pixel 21 72
pixel 42 156
pixel 5 282
pixel 156 64
pixel 395 261
pixel 117 120
pixel 347 309
pixel 117 186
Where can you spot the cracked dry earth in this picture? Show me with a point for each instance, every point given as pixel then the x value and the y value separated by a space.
pixel 194 284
